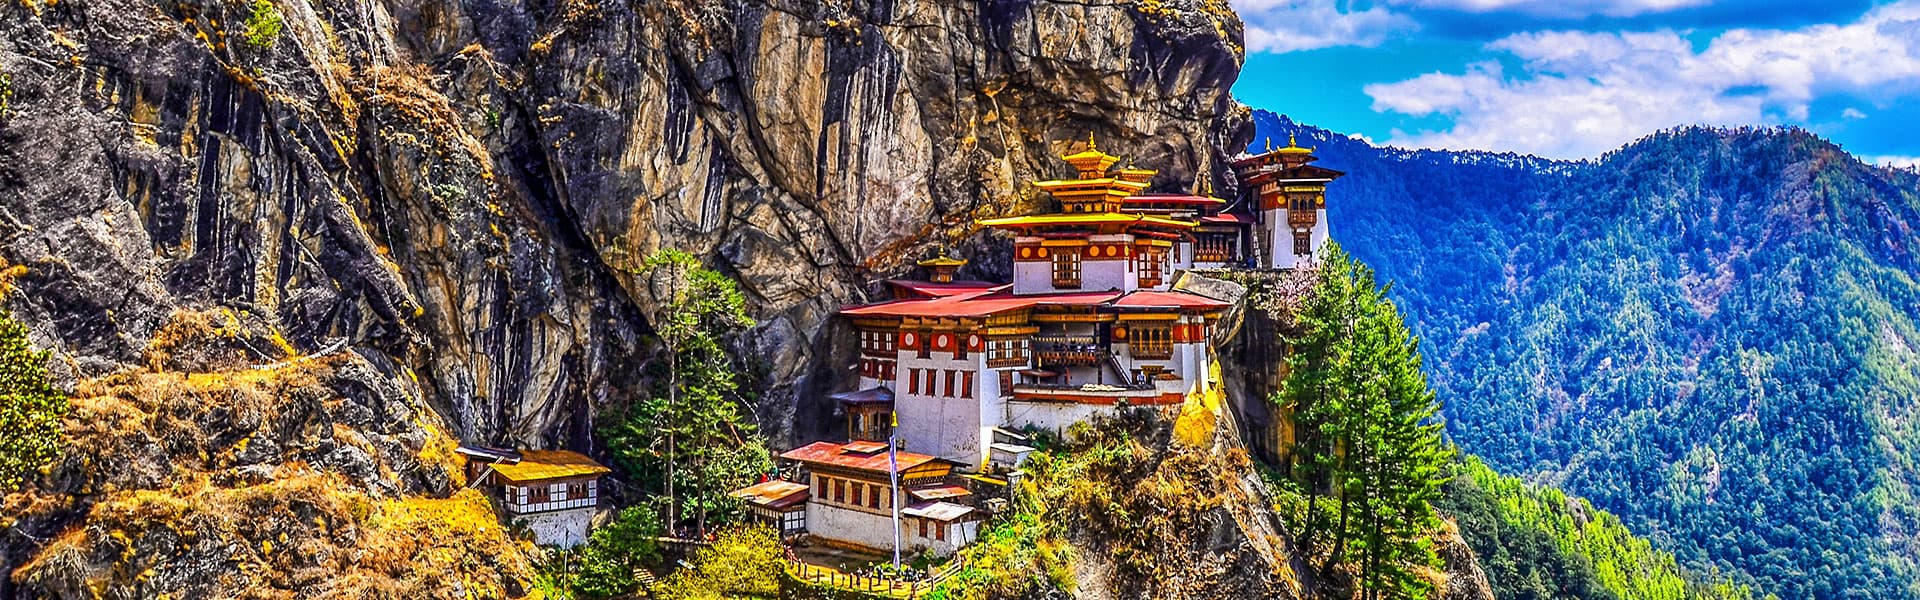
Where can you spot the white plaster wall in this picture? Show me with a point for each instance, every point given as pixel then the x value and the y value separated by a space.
pixel 950 428
pixel 958 534
pixel 1053 416
pixel 1185 249
pixel 1102 274
pixel 1282 236
pixel 848 525
pixel 563 528
pixel 1032 277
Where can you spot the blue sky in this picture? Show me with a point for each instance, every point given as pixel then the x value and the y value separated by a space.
pixel 1576 78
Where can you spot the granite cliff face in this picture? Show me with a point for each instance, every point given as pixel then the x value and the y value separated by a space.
pixel 440 204
pixel 464 188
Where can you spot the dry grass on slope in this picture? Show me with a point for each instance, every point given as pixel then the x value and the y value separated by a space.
pixel 316 477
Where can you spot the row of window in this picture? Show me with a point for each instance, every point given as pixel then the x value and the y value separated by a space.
pixel 883 343
pixel 876 369
pixel 940 382
pixel 1149 267
pixel 1008 352
pixel 554 492
pixel 852 493
pixel 939 529
pixel 1150 342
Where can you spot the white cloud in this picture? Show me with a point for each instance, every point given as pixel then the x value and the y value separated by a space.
pixel 1559 9
pixel 1852 113
pixel 1281 26
pixel 1579 94
pixel 1897 162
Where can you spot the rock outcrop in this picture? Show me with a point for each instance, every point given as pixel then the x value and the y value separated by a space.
pixel 465 188
pixel 442 204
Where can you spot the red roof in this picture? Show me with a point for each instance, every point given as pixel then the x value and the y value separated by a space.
pixel 971 304
pixel 1227 218
pixel 837 455
pixel 1073 298
pixel 938 290
pixel 1171 199
pixel 1156 299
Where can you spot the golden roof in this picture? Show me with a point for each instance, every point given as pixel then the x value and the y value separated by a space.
pixel 1091 159
pixel 1294 148
pixel 538 465
pixel 942 261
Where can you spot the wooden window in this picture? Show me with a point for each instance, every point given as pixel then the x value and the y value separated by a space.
pixel 925 338
pixel 820 487
pixel 1148 266
pixel 1151 341
pixel 1302 243
pixel 1006 383
pixel 959 346
pixel 940 531
pixel 1066 267
pixel 948 376
pixel 913 381
pixel 923 527
pixel 930 390
pixel 839 491
pixel 966 384
pixel 859 494
pixel 576 490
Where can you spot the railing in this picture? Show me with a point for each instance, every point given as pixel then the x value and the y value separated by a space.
pixel 532 507
pixel 1066 356
pixel 820 575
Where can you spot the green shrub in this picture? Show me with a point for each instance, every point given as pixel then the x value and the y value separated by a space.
pixel 264 24
pixel 30 407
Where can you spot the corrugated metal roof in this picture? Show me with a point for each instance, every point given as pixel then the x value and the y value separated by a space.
pixel 872 395
pixel 938 511
pixel 777 493
pixel 837 455
pixel 939 492
pixel 537 465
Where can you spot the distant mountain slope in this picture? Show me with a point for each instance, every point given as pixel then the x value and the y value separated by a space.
pixel 1709 332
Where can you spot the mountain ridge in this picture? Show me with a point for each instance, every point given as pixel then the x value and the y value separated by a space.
pixel 1708 332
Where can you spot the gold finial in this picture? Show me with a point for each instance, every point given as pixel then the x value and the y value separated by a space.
pixel 1269 143
pixel 1290 142
pixel 1090 145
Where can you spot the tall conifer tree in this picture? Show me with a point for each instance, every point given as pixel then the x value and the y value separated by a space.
pixel 1366 441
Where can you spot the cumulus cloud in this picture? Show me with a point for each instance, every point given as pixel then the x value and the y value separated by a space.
pixel 1897 162
pixel 1559 9
pixel 1852 113
pixel 1281 26
pixel 1577 94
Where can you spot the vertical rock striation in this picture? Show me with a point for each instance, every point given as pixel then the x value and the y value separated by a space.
pixel 463 188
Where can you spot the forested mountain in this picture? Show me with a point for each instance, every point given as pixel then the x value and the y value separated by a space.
pixel 1708 332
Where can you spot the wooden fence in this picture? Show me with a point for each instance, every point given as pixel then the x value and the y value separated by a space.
pixel 820 575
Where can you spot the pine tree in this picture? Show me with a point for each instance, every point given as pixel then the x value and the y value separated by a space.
pixel 692 438
pixel 30 407
pixel 1366 440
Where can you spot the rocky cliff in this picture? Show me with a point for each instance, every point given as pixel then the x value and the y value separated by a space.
pixel 439 205
pixel 464 188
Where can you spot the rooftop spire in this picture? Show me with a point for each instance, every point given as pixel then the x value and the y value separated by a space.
pixel 1090 144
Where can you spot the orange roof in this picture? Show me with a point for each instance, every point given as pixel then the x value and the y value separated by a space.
pixel 838 455
pixel 539 465
pixel 777 493
pixel 939 492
